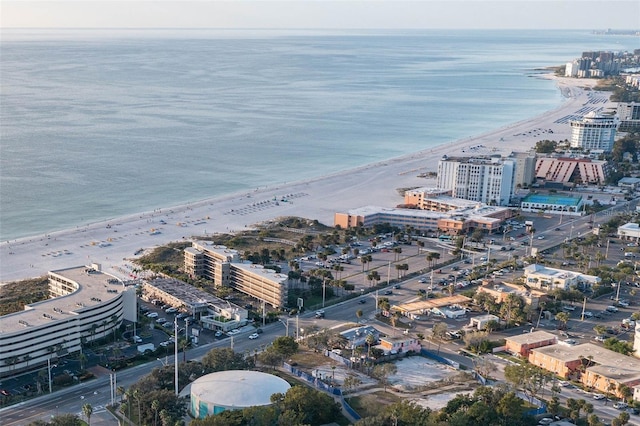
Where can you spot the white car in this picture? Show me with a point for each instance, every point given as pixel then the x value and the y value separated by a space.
pixel 254 336
pixel 545 421
pixel 541 237
pixel 152 315
pixel 599 396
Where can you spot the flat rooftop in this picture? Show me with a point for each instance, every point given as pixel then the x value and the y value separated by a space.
pixel 422 305
pixel 183 291
pixel 558 200
pixel 530 338
pixel 94 288
pixel 598 354
pixel 261 271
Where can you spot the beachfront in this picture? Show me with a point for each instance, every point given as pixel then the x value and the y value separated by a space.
pixel 112 242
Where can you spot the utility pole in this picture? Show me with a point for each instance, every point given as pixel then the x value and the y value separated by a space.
pixel 175 355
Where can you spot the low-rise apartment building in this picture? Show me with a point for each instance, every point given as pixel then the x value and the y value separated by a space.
pixel 522 344
pixel 595 366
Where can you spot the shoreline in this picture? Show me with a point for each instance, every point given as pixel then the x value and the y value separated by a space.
pixel 112 241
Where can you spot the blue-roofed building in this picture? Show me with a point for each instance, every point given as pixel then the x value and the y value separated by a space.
pixel 553 204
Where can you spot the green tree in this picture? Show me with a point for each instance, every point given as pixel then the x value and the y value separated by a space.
pixel 285 346
pixel 312 406
pixel 222 359
pixel 383 371
pixel 87 410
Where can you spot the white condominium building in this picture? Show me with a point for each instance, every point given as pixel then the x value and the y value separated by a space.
pixel 86 304
pixel 489 180
pixel 593 132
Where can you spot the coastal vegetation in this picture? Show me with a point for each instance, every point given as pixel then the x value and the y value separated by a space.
pixel 14 296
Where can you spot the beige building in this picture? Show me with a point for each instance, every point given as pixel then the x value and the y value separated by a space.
pixel 572 170
pixel 224 267
pixel 595 366
pixel 525 168
pixel 501 291
pixel 453 221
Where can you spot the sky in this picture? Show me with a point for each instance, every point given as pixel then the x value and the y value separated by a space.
pixel 321 14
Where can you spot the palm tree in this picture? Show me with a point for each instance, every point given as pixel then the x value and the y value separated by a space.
pixel 359 314
pixel 370 340
pixel 121 391
pixel 563 319
pixel 87 410
pixel 155 406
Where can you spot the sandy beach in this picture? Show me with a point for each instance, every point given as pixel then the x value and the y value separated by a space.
pixel 112 242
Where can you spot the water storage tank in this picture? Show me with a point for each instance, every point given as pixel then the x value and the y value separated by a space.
pixel 233 390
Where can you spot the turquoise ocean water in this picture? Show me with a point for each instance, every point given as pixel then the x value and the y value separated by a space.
pixel 98 124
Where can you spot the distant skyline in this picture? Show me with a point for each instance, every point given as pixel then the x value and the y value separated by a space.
pixel 318 14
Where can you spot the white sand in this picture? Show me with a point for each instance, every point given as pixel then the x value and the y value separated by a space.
pixel 375 184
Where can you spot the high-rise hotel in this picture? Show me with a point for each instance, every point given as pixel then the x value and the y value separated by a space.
pixel 594 132
pixel 489 180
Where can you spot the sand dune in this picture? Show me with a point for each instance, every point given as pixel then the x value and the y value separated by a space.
pixel 111 242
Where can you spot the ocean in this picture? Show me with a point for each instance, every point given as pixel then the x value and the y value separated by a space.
pixel 96 124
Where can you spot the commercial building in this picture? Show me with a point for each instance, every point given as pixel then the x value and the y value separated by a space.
pixel 567 170
pixel 552 204
pixel 233 390
pixel 594 131
pixel 212 312
pixel 86 304
pixel 500 293
pixel 224 267
pixel 480 322
pixel 395 345
pixel 522 344
pixel 630 183
pixel 629 231
pixel 489 180
pixel 454 222
pixel 547 279
pixel 595 366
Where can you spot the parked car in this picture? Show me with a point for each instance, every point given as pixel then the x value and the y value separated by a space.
pixel 620 405
pixel 598 396
pixel 152 315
